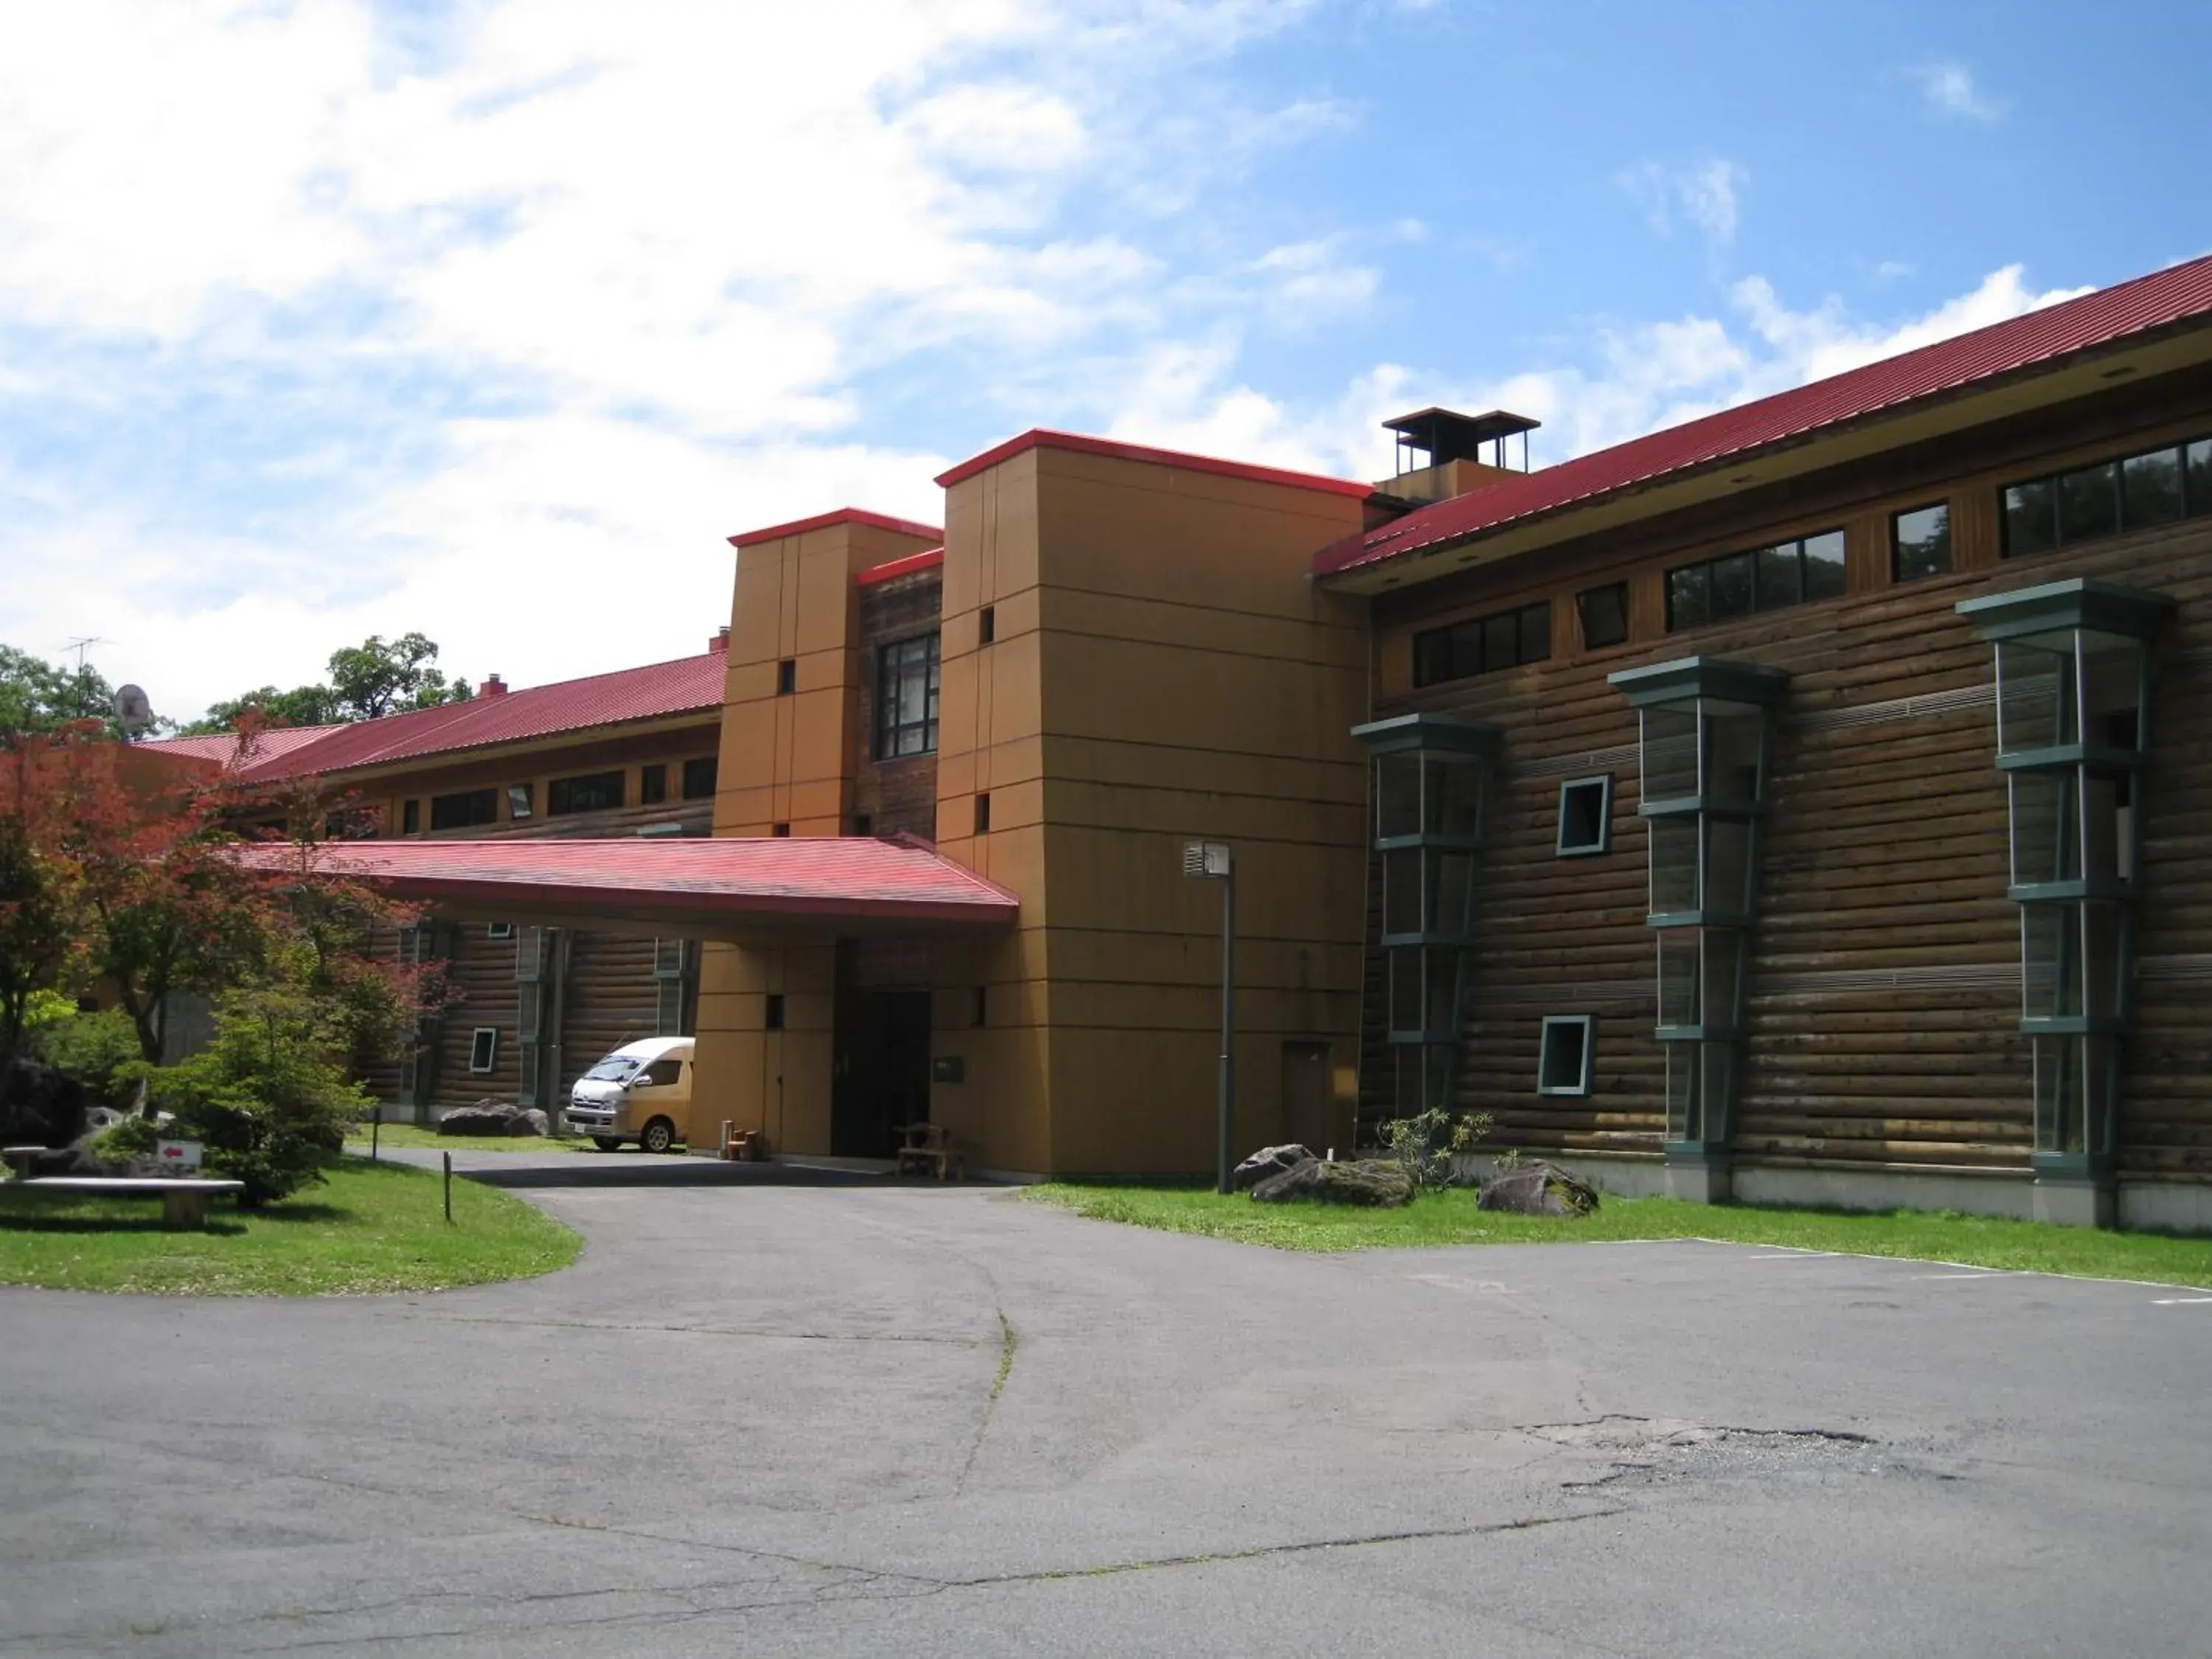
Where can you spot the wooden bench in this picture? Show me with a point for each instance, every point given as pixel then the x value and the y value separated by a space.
pixel 22 1159
pixel 929 1145
pixel 183 1203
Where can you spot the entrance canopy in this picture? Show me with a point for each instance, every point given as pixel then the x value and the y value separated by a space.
pixel 725 888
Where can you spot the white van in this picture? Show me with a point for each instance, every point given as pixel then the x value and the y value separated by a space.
pixel 640 1092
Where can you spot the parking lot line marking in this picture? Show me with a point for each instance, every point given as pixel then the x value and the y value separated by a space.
pixel 2180 1301
pixel 1978 1272
pixel 1790 1255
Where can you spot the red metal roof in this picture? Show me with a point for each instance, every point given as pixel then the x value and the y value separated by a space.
pixel 928 559
pixel 842 515
pixel 725 878
pixel 270 743
pixel 687 685
pixel 1042 438
pixel 2095 319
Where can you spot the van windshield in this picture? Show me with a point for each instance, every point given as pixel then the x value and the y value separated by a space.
pixel 615 1068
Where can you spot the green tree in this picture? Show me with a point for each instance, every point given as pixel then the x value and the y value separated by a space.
pixel 268 1097
pixel 34 928
pixel 376 678
pixel 38 696
pixel 303 705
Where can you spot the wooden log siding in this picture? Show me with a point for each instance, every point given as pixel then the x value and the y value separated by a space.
pixel 1884 1002
pixel 481 970
pixel 613 999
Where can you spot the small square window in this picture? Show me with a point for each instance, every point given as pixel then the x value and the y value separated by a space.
pixel 987 625
pixel 780 829
pixel 410 817
pixel 499 930
pixel 863 824
pixel 1569 1050
pixel 1605 615
pixel 652 784
pixel 1920 543
pixel 786 676
pixel 1585 817
pixel 982 814
pixel 699 777
pixel 772 1015
pixel 518 801
pixel 484 1050
pixel 982 1005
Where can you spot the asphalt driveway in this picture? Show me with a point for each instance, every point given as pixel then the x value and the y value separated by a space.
pixel 762 1419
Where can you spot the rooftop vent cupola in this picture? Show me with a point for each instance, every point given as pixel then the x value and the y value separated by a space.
pixel 1442 452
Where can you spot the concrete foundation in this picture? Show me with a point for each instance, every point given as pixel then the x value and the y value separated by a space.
pixel 1975 1192
pixel 2165 1207
pixel 2074 1203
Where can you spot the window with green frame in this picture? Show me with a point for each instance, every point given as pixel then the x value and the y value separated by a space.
pixel 2132 492
pixel 1760 578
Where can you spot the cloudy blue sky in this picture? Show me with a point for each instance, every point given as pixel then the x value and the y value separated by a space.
pixel 493 318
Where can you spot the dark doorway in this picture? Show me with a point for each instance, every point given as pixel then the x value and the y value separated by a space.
pixel 882 1078
pixel 1305 1095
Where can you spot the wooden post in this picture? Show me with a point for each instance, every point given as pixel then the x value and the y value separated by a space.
pixel 448 1157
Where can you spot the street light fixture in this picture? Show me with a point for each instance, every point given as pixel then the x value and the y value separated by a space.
pixel 1210 861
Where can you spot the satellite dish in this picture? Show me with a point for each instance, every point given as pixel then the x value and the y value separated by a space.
pixel 132 712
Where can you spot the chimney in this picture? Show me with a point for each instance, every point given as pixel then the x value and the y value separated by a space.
pixel 720 641
pixel 1440 453
pixel 493 687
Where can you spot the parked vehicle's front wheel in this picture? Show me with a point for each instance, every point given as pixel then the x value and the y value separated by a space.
pixel 660 1135
pixel 607 1143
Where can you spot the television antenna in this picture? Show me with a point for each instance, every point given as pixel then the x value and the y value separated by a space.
pixel 82 644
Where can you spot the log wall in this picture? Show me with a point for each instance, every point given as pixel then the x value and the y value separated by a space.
pixel 1885 994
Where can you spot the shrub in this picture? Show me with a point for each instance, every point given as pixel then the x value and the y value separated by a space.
pixel 100 1050
pixel 265 1098
pixel 1427 1146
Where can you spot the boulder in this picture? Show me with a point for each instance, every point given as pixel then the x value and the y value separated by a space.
pixel 1538 1189
pixel 486 1117
pixel 531 1122
pixel 1269 1160
pixel 1376 1182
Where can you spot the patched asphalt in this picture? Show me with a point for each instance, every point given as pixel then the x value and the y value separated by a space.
pixel 860 1417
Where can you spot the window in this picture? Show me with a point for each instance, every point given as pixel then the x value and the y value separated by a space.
pixel 1585 817
pixel 1509 639
pixel 982 1005
pixel 594 792
pixel 987 625
pixel 499 930
pixel 652 784
pixel 1604 611
pixel 1920 543
pixel 699 777
pixel 772 1015
pixel 410 817
pixel 1568 1052
pixel 483 1049
pixel 906 698
pixel 983 814
pixel 1764 579
pixel 518 800
pixel 662 1072
pixel 780 830
pixel 786 676
pixel 2135 492
pixel 863 824
pixel 464 810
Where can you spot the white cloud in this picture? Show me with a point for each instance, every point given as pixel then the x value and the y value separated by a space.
pixel 1704 193
pixel 486 325
pixel 1641 377
pixel 1950 90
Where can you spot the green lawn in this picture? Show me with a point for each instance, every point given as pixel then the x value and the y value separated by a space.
pixel 373 1227
pixel 1452 1219
pixel 412 1134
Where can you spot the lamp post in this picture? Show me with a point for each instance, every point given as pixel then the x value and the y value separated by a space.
pixel 1210 861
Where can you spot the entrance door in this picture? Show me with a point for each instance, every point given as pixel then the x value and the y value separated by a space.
pixel 1305 1094
pixel 881 1075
